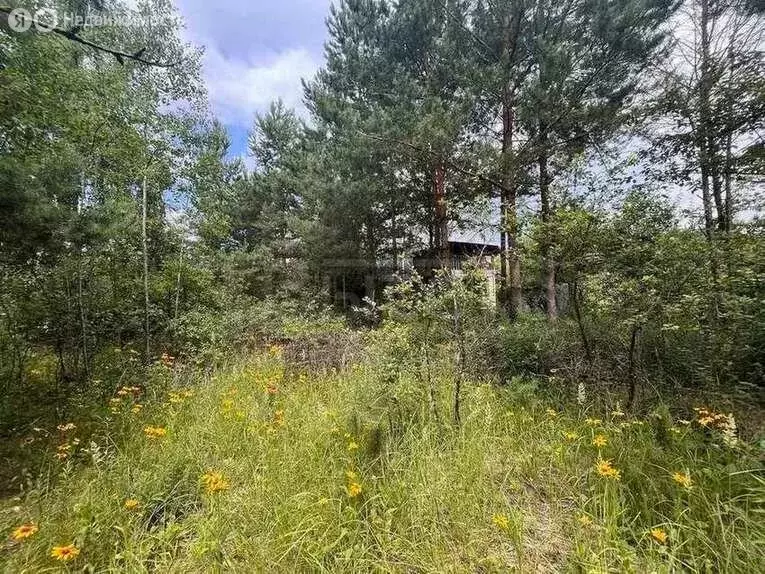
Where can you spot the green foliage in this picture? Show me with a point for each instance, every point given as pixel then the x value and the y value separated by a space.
pixel 310 472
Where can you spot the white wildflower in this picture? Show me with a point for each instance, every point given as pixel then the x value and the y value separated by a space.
pixel 581 395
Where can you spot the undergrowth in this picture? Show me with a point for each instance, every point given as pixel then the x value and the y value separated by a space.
pixel 261 468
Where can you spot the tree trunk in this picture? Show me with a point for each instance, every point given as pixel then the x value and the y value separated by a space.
pixel 394 238
pixel 83 320
pixel 631 375
pixel 728 191
pixel 579 321
pixel 440 227
pixel 510 265
pixel 459 358
pixel 703 137
pixel 144 243
pixel 80 303
pixel 428 374
pixel 178 283
pixel 548 265
pixel 370 275
pixel 717 193
pixel 728 165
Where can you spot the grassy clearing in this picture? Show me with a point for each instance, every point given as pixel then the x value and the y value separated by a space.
pixel 255 469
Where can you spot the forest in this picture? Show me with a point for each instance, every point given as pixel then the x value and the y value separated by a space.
pixel 490 299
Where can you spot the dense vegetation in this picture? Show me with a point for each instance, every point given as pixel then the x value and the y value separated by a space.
pixel 210 368
pixel 257 468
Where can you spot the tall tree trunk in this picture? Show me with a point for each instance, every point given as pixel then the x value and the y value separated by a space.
pixel 728 190
pixel 632 359
pixel 580 321
pixel 370 275
pixel 393 237
pixel 510 265
pixel 145 243
pixel 83 319
pixel 80 302
pixel 178 283
pixel 709 181
pixel 458 336
pixel 548 265
pixel 717 193
pixel 441 227
pixel 728 165
pixel 704 127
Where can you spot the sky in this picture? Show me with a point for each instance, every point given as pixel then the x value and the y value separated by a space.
pixel 255 52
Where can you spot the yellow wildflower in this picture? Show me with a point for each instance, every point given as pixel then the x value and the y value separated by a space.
pixel 214 482
pixel 65 553
pixel 353 446
pixel 600 440
pixel 720 421
pixel 354 486
pixel 551 413
pixel 683 479
pixel 570 435
pixel 353 489
pixel 607 470
pixel 501 521
pixel 585 520
pixel 659 535
pixel 131 504
pixel 24 531
pixel 155 432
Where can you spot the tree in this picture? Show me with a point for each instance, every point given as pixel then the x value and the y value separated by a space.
pixel 712 96
pixel 585 60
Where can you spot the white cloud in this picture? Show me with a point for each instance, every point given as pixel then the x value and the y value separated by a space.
pixel 238 89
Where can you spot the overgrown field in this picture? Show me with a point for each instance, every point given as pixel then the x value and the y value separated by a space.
pixel 261 468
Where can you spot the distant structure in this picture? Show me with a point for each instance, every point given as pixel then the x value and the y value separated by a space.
pixel 427 262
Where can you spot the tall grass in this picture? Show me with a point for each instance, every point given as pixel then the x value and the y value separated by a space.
pixel 514 488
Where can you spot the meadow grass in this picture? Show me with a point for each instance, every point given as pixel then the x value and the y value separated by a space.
pixel 258 469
